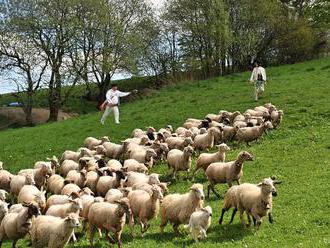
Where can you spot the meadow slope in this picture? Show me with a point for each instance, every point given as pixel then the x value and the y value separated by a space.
pixel 298 153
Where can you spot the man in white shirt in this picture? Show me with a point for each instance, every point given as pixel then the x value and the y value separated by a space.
pixel 258 77
pixel 112 102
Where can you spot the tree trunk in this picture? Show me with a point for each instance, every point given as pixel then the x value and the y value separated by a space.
pixel 103 88
pixel 27 108
pixel 55 97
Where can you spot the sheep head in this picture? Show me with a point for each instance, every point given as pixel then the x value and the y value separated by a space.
pixel 245 156
pixel 207 210
pixel 150 153
pixel 267 186
pixel 100 149
pixel 197 190
pixel 72 220
pixel 188 141
pixel 76 204
pixel 29 180
pixel 124 204
pixel 156 192
pixel 188 151
pixel 105 139
pixel 223 147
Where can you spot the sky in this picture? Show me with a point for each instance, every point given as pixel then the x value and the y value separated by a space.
pixel 7 87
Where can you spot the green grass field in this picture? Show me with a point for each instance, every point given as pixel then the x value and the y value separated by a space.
pixel 298 153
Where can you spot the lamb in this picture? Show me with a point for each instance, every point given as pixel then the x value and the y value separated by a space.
pixel 3 209
pixel 220 172
pixel 108 182
pixel 31 194
pixel 199 222
pixel 52 162
pixel 5 178
pixel 206 141
pixel 53 232
pixel 178 142
pixel 144 207
pixel 15 226
pixel 133 165
pixel 76 177
pixel 137 178
pixel 180 160
pixel 248 134
pixel 205 159
pixel 91 142
pixel 63 210
pixel 177 208
pixel 111 217
pixel 55 184
pixel 17 183
pixel 113 150
pixel 40 174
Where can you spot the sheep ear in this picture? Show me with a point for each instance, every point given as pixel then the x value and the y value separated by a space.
pixel 259 184
pixel 277 182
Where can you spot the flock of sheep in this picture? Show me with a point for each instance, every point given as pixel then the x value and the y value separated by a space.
pixel 107 185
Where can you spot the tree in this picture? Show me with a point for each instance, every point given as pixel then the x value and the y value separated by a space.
pixel 22 63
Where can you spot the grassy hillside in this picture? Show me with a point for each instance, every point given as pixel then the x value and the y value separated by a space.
pixel 298 153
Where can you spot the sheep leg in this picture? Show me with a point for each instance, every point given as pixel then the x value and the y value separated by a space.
pixel 241 216
pixel 233 215
pixel 224 210
pixel 163 224
pixel 258 221
pixel 131 228
pixel 118 237
pixel 14 244
pixel 270 218
pixel 203 233
pixel 109 238
pixel 211 187
pixel 249 218
pixel 91 234
pixel 176 228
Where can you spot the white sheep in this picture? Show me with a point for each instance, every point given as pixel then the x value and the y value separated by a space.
pixel 55 184
pixel 3 209
pixel 199 222
pixel 180 160
pixel 148 187
pixel 114 165
pixel 17 183
pixel 76 177
pixel 91 142
pixel 15 226
pixel 108 182
pixel 72 155
pixel 5 178
pixel 228 133
pixel 144 206
pixel 206 140
pixel 111 217
pixel 221 172
pixel 69 188
pixel 31 194
pixel 63 210
pixel 178 142
pixel 133 178
pixel 205 159
pixel 276 117
pixel 53 232
pixel 40 174
pixel 113 150
pixel 133 165
pixel 248 134
pixel 177 208
pixel 52 162
pixel 60 199
pixel 143 155
pixel 255 200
